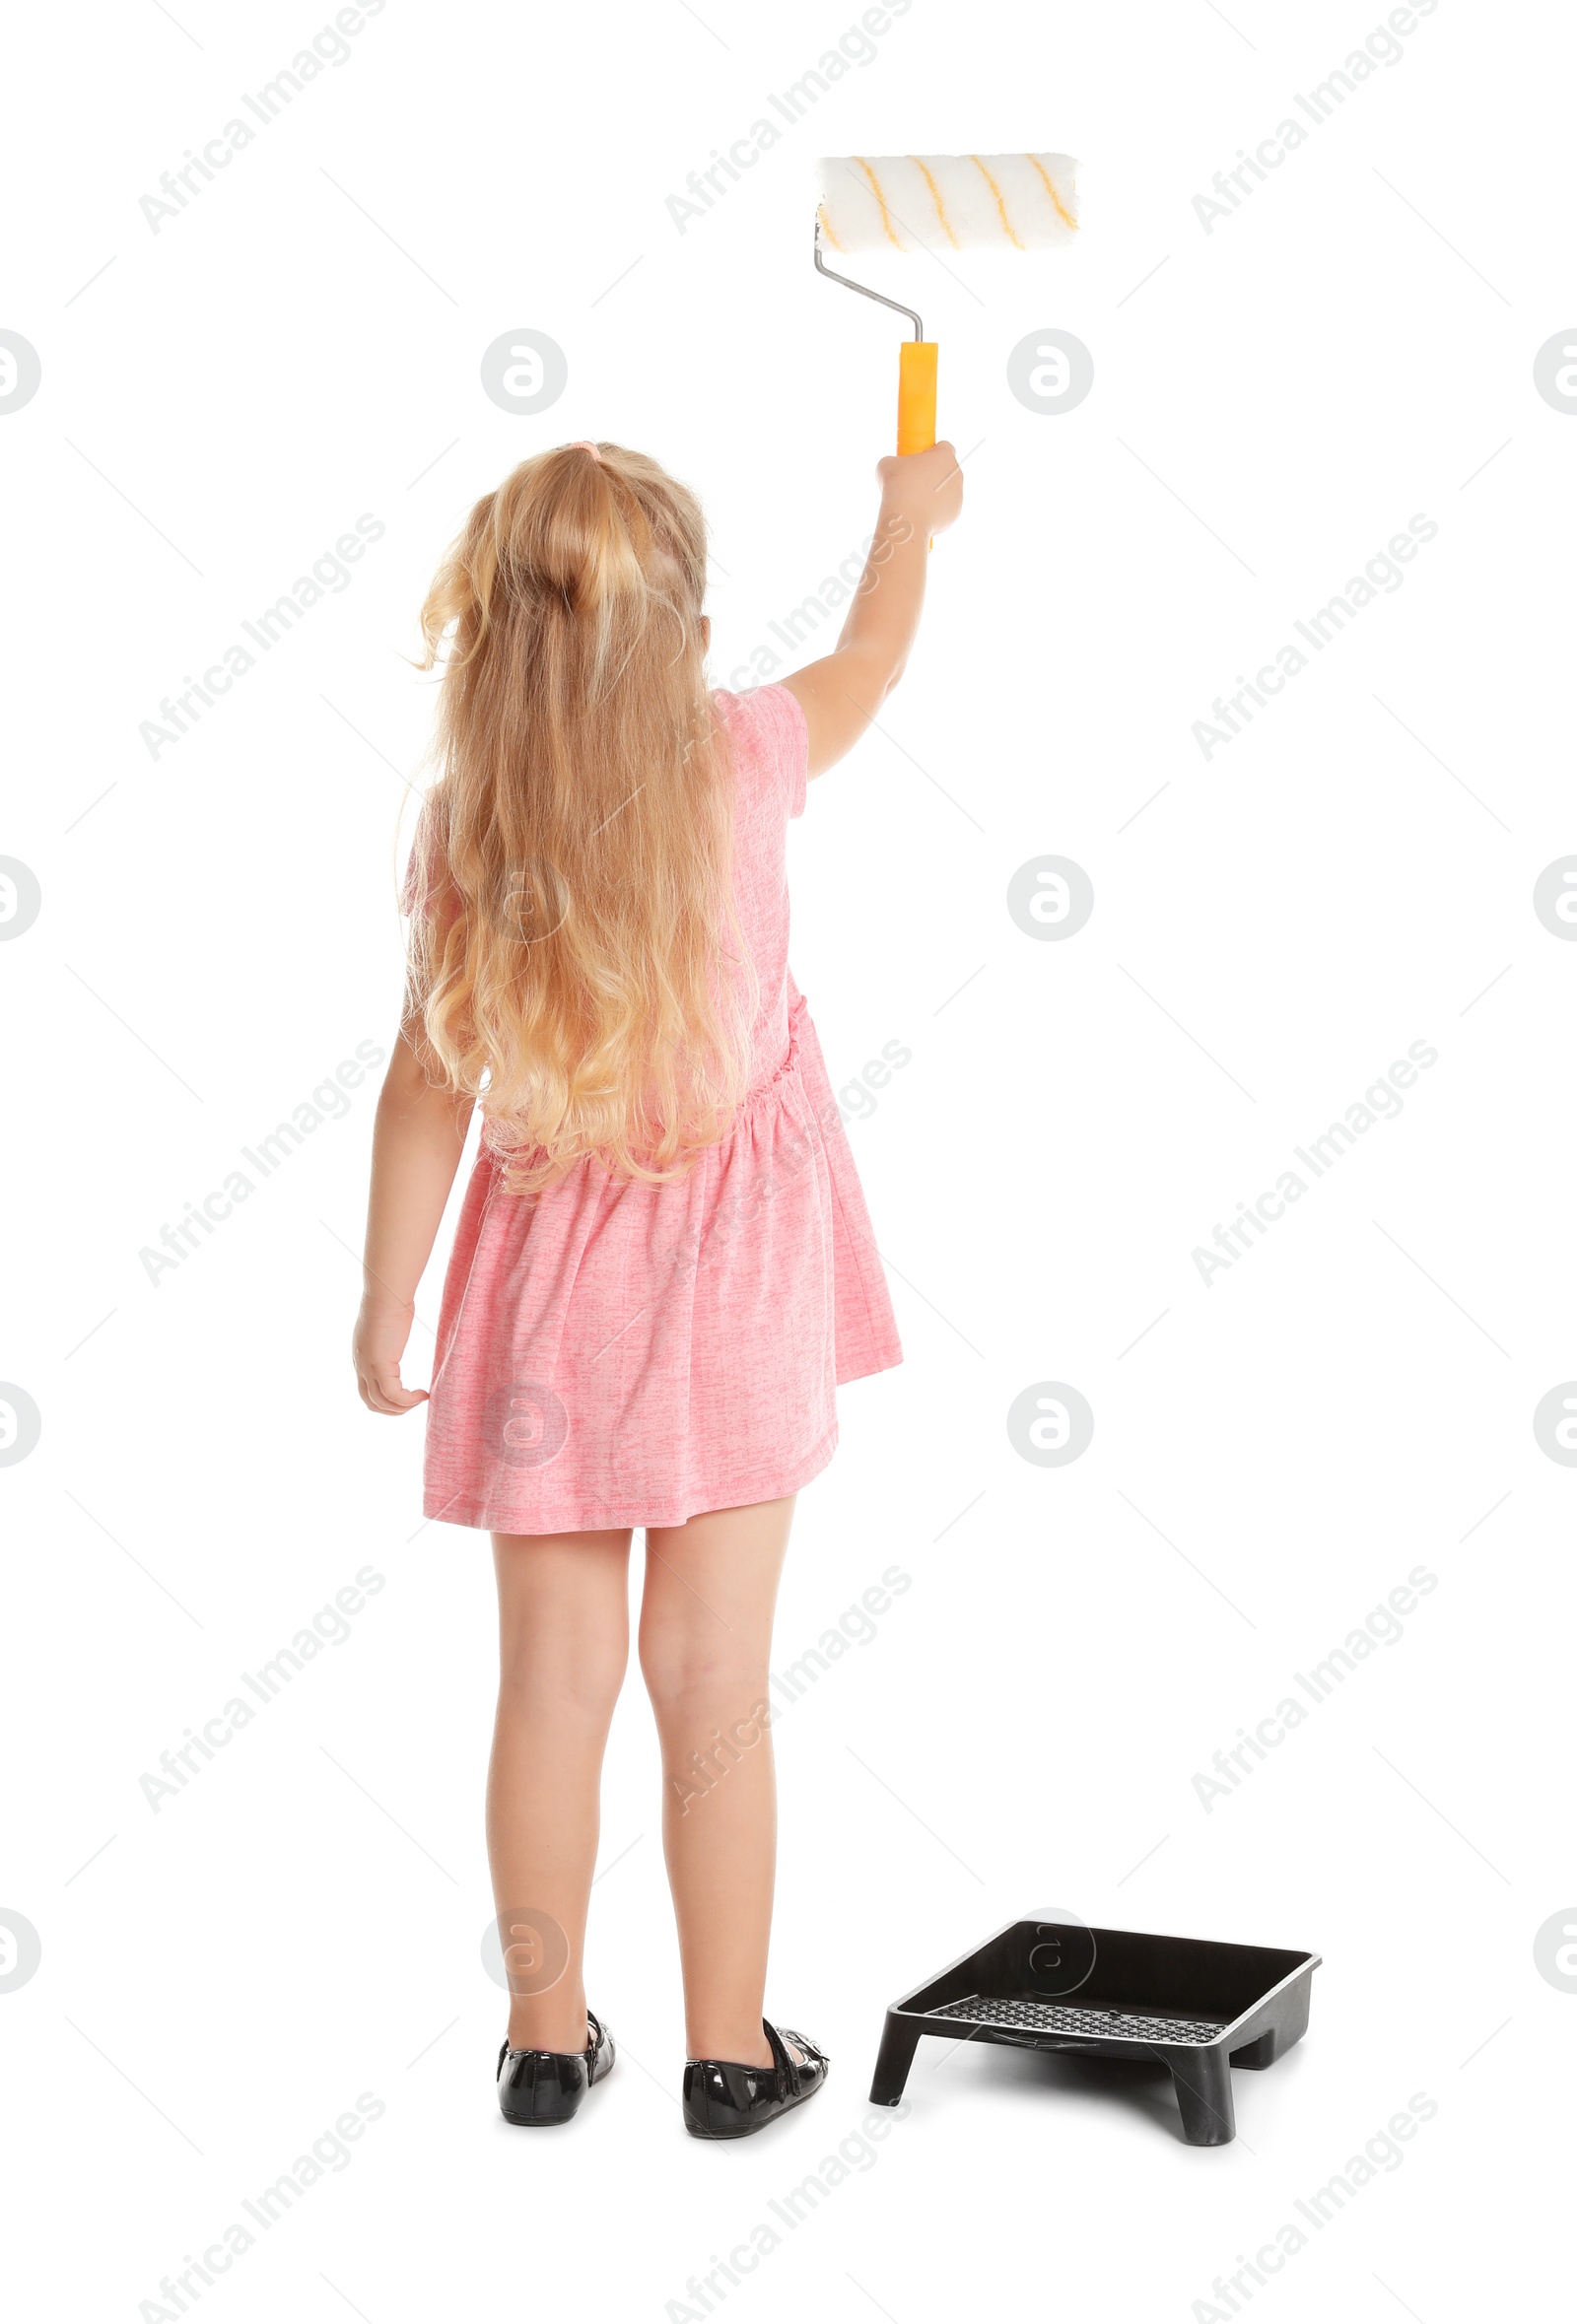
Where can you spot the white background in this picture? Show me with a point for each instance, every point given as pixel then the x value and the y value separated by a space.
pixel 1273 400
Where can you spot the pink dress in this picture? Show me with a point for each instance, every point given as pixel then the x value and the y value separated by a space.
pixel 618 1354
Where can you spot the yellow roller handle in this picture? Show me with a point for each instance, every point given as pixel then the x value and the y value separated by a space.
pixel 917 395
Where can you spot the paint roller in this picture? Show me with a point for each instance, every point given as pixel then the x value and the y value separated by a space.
pixel 940 203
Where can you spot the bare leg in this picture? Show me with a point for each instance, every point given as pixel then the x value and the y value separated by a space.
pixel 564 1639
pixel 706 1643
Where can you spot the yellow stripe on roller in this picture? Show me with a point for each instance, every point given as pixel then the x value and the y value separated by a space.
pixel 875 187
pixel 935 195
pixel 825 222
pixel 1002 206
pixel 1056 205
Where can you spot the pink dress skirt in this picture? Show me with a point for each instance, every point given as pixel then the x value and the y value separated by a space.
pixel 617 1355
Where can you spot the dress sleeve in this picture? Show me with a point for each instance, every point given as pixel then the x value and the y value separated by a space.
pixel 793 739
pixel 769 722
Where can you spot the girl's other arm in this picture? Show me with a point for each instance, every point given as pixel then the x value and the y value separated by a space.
pixel 417 1141
pixel 921 493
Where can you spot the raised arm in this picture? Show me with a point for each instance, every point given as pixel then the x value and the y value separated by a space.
pixel 921 493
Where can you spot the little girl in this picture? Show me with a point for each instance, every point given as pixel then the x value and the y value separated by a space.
pixel 663 1264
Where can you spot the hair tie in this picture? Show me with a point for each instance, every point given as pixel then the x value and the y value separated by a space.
pixel 585 445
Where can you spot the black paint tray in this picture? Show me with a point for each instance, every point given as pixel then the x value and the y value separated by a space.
pixel 1199 2008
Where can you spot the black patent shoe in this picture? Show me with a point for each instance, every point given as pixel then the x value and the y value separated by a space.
pixel 724 2100
pixel 547 2085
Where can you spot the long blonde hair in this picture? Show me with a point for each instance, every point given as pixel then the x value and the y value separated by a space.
pixel 576 958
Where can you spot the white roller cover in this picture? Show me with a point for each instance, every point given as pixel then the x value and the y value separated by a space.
pixel 948 201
